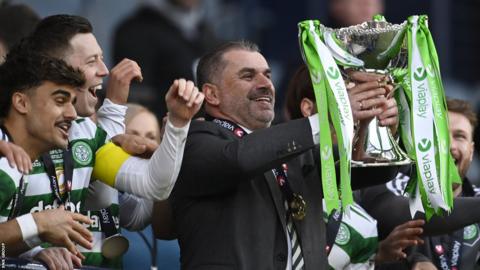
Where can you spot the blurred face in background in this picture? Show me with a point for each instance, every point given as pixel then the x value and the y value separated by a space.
pixel 461 141
pixel 144 124
pixel 352 12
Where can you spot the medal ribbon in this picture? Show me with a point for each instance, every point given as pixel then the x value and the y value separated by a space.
pixel 67 175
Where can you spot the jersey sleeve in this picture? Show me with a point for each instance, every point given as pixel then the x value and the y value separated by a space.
pixel 111 118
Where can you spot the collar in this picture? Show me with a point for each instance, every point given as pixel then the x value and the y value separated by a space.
pixel 5 135
pixel 248 131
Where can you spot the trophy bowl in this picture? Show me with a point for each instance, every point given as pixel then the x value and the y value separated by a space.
pixel 377 47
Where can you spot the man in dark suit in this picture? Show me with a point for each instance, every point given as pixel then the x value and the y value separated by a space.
pixel 232 203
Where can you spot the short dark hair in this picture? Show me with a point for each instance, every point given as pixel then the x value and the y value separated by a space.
pixel 463 107
pixel 212 63
pixel 24 70
pixel 16 22
pixel 299 87
pixel 53 34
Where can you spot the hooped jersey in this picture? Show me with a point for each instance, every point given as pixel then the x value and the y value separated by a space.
pixel 357 240
pixel 85 139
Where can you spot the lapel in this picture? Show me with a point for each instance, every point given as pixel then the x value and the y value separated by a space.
pixel 275 191
pixel 298 170
pixel 277 197
pixel 307 161
pixel 296 180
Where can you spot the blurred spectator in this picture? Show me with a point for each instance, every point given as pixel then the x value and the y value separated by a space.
pixel 142 122
pixel 345 13
pixel 16 22
pixel 165 38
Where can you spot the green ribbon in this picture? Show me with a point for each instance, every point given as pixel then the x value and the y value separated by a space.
pixel 422 104
pixel 331 99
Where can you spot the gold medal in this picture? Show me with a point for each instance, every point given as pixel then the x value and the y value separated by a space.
pixel 298 207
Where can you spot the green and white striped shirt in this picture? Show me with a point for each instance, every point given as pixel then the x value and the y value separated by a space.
pixel 356 242
pixel 86 138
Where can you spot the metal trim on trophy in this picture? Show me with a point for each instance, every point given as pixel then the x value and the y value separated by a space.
pixel 377 47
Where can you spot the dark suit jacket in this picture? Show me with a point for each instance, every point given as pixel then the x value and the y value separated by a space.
pixel 228 209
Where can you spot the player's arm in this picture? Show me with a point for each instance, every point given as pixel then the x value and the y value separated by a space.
pixel 153 179
pixel 55 226
pixel 16 156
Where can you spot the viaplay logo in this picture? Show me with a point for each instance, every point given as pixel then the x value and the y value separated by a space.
pixel 316 76
pixel 424 145
pixel 326 152
pixel 420 74
pixel 333 73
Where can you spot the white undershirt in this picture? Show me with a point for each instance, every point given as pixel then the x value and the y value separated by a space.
pixel 154 179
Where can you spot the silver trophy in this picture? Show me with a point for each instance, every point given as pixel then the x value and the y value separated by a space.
pixel 377 47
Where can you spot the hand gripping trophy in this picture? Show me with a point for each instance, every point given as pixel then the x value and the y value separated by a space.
pixel 406 55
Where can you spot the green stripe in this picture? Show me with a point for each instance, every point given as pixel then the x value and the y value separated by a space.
pixel 96 259
pixel 7 190
pixel 100 138
pixel 369 250
pixel 79 120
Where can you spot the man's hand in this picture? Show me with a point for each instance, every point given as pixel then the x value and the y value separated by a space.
pixel 57 258
pixel 389 116
pixel 366 100
pixel 136 145
pixel 120 79
pixel 183 102
pixel 403 236
pixel 63 228
pixel 16 156
pixel 367 93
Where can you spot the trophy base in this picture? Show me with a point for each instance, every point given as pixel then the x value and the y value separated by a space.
pixel 114 246
pixel 372 174
pixel 389 163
